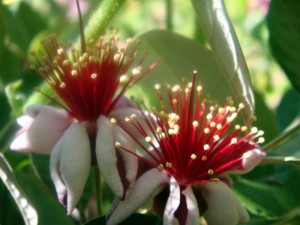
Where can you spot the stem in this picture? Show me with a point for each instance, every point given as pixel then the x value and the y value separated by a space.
pixel 169 14
pixel 281 160
pixel 99 196
pixel 283 136
pixel 101 18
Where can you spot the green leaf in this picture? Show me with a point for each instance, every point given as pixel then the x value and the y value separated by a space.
pixel 271 196
pixel 288 109
pixel 135 219
pixel 283 23
pixel 42 199
pixel 8 178
pixel 178 57
pixel 225 46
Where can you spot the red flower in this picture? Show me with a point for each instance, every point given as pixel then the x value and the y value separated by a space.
pixel 193 140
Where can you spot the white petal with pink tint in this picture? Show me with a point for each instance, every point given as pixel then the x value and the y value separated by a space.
pixel 130 161
pixel 41 129
pixel 106 156
pixel 174 202
pixel 250 159
pixel 70 164
pixel 223 207
pixel 140 193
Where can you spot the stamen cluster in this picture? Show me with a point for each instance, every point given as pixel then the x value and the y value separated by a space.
pixel 191 137
pixel 91 82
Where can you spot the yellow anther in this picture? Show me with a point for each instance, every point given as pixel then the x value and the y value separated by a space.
pixel 168 165
pixel 93 75
pixel 160 166
pixel 204 158
pixel 195 124
pixel 113 120
pixel 117 144
pixel 148 139
pixel 210 172
pixel 206 147
pixel 233 141
pixel 193 156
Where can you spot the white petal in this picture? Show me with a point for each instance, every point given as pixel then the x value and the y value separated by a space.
pixel 130 161
pixel 250 159
pixel 140 193
pixel 223 207
pixel 106 156
pixel 41 129
pixel 175 200
pixel 70 163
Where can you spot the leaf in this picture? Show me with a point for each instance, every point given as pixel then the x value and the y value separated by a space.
pixel 135 219
pixel 42 199
pixel 178 57
pixel 288 109
pixel 7 176
pixel 271 196
pixel 225 46
pixel 283 24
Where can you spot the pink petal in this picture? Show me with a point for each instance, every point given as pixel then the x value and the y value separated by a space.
pixel 250 159
pixel 106 156
pixel 223 207
pixel 181 207
pixel 41 129
pixel 141 191
pixel 70 164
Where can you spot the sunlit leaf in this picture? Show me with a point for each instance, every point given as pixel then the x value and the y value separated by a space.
pixel 283 23
pixel 225 46
pixel 8 178
pixel 178 57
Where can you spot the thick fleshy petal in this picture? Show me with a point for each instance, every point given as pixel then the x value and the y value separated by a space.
pixel 70 164
pixel 41 129
pixel 130 161
pixel 141 191
pixel 107 157
pixel 250 159
pixel 181 207
pixel 223 207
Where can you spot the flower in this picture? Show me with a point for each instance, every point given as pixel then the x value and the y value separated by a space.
pixel 191 149
pixel 90 86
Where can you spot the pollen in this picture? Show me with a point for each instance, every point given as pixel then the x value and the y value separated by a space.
pixel 193 156
pixel 168 165
pixel 233 141
pixel 132 116
pixel 157 86
pixel 244 128
pixel 237 127
pixel 221 110
pixel 159 130
pixel 127 119
pixel 148 139
pixel 204 158
pixel 241 105
pixel 123 78
pixel 60 51
pixel 210 172
pixel 195 124
pixel 74 73
pixel 209 116
pixel 137 70
pixel 216 137
pixel 261 140
pixel 254 130
pixel 113 120
pixel 219 126
pixel 175 88
pixel 62 85
pixel 212 124
pixel 206 147
pixel 199 88
pixel 117 144
pixel 206 130
pixel 117 56
pixel 93 76
pixel 160 166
